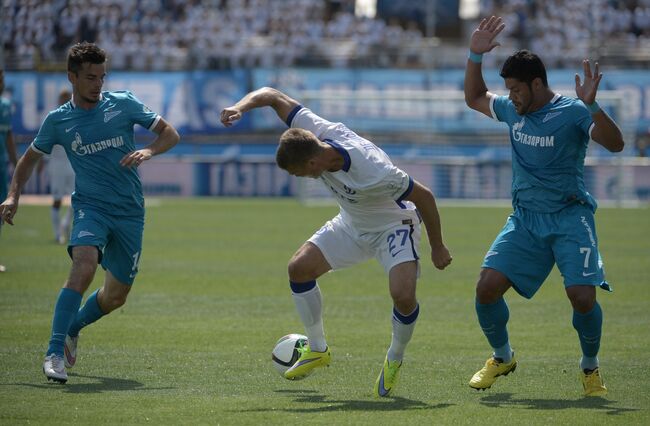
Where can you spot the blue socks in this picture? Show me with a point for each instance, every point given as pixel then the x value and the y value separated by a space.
pixel 493 319
pixel 589 327
pixel 90 313
pixel 65 310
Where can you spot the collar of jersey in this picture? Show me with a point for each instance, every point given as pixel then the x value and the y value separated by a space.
pixel 74 105
pixel 347 161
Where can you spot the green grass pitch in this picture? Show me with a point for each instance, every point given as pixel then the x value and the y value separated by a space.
pixel 192 345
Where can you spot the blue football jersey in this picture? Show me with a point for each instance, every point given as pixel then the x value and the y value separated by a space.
pixel 5 126
pixel 548 152
pixel 95 141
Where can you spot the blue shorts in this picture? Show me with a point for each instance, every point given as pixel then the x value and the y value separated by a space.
pixel 118 239
pixel 530 244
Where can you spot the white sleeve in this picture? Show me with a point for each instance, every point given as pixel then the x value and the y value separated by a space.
pixel 304 118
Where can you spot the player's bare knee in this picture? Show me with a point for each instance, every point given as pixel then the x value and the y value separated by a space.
pixel 81 275
pixel 582 298
pixel 113 301
pixel 405 304
pixel 491 286
pixel 487 292
pixel 299 270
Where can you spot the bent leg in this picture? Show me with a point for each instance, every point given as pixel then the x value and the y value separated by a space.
pixel 492 311
pixel 306 265
pixel 402 284
pixel 588 323
pixel 84 264
pixel 102 302
pixel 113 294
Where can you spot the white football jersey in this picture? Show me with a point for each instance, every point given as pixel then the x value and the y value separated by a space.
pixel 369 189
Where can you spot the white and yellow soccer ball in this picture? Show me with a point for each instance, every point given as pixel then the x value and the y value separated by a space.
pixel 286 353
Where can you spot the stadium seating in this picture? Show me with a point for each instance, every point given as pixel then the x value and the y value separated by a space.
pixel 162 35
pixel 567 31
pixel 209 34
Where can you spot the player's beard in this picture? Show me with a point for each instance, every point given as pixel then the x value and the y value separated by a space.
pixel 524 108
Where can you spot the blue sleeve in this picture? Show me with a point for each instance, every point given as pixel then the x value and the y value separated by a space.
pixel 140 113
pixel 46 137
pixel 582 116
pixel 501 107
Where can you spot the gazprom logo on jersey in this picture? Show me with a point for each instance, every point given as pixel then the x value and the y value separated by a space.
pixel 80 149
pixel 526 139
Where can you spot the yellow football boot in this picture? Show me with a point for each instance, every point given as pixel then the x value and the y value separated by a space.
pixel 387 378
pixel 307 362
pixel 592 383
pixel 486 376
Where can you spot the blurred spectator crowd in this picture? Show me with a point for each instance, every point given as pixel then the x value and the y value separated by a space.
pixel 204 34
pixel 226 34
pixel 564 31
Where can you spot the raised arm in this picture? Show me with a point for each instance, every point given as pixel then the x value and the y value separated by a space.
pixel 266 96
pixel 605 131
pixel 477 96
pixel 23 171
pixel 423 199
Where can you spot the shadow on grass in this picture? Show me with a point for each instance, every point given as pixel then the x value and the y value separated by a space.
pixel 103 384
pixel 506 400
pixel 328 405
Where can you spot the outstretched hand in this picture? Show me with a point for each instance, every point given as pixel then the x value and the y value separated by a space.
pixel 586 92
pixel 8 210
pixel 229 115
pixel 482 40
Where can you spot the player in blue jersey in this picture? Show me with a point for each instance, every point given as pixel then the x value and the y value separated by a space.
pixel 7 145
pixel 96 130
pixel 553 218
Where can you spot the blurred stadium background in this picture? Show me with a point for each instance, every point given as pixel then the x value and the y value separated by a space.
pixel 391 70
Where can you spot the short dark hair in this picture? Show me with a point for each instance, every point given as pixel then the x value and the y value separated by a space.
pixel 524 66
pixel 297 146
pixel 83 52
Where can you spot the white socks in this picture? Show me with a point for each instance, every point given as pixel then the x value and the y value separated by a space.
pixel 310 308
pixel 403 326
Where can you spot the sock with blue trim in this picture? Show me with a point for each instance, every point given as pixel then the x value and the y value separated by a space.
pixel 88 314
pixel 493 319
pixel 403 326
pixel 65 310
pixel 589 327
pixel 309 304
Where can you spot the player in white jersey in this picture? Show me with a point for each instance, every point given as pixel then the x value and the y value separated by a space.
pixel 61 184
pixel 381 209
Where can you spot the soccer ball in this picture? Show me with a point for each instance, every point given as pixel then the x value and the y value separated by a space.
pixel 285 353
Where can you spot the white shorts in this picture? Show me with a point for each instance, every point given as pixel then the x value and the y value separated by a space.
pixel 342 246
pixel 61 184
